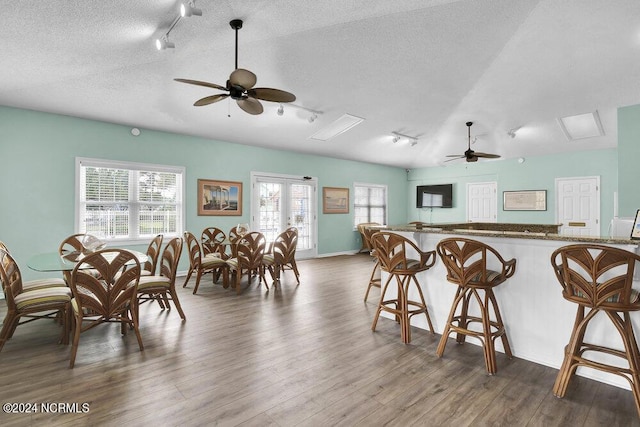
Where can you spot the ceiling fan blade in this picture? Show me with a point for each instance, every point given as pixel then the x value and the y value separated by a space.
pixel 210 99
pixel 486 155
pixel 457 156
pixel 244 78
pixel 200 83
pixel 273 95
pixel 250 105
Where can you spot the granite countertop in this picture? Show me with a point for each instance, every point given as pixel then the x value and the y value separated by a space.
pixel 514 233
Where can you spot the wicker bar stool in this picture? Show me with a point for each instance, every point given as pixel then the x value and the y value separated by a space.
pixel 391 250
pixel 466 262
pixel 598 279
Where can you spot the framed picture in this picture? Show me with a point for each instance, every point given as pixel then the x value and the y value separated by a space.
pixel 219 197
pixel 635 231
pixel 335 200
pixel 527 200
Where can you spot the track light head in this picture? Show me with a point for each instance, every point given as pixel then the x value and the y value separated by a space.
pixel 280 110
pixel 164 43
pixel 396 138
pixel 189 9
pixel 313 118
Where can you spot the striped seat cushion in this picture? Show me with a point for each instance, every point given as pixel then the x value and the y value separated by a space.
pixel 43 283
pixel 635 296
pixel 268 259
pixel 45 296
pixel 412 264
pixel 232 263
pixel 153 282
pixel 212 262
pixel 491 276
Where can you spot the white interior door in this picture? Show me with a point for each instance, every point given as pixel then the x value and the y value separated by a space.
pixel 280 202
pixel 482 202
pixel 578 206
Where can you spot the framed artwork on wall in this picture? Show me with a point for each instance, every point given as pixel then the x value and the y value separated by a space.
pixel 335 200
pixel 526 200
pixel 219 197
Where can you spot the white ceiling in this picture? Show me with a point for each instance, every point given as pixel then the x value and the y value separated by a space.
pixel 418 67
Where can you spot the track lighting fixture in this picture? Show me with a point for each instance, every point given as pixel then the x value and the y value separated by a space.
pixel 312 118
pixel 164 43
pixel 413 141
pixel 186 9
pixel 189 9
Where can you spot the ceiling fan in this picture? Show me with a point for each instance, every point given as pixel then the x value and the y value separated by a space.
pixel 240 87
pixel 470 155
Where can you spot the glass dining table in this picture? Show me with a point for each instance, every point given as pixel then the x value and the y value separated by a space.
pixel 53 261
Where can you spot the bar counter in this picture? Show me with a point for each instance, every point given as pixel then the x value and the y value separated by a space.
pixel 537 318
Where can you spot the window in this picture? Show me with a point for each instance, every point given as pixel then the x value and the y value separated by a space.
pixel 128 201
pixel 370 203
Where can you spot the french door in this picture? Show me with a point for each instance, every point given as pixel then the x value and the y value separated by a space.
pixel 279 202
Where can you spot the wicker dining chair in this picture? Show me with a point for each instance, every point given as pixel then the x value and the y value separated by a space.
pixel 109 297
pixel 283 255
pixel 202 265
pixel 248 259
pixel 45 302
pixel 212 240
pixel 162 286
pixel 153 252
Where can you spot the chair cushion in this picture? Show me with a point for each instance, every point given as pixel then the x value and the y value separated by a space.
pixel 268 259
pixel 635 296
pixel 232 263
pixel 153 282
pixel 32 285
pixel 212 262
pixel 45 296
pixel 491 276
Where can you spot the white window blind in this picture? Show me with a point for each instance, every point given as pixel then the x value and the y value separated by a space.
pixel 128 201
pixel 370 203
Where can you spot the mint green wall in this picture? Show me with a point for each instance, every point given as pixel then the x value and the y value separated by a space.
pixel 536 173
pixel 37 177
pixel 628 155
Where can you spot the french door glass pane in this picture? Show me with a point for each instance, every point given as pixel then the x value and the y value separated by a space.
pixel 300 214
pixel 270 209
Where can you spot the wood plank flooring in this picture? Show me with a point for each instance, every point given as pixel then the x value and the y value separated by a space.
pixel 295 355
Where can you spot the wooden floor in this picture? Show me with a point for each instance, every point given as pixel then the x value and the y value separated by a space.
pixel 296 355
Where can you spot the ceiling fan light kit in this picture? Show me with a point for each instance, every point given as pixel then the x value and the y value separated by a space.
pixel 471 156
pixel 240 87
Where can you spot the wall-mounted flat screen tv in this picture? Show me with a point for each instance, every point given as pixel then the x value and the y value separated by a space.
pixel 434 196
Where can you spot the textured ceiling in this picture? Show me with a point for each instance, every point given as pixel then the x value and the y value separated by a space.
pixel 417 67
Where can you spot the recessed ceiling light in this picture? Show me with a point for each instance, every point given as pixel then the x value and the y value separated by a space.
pixel 341 125
pixel 581 126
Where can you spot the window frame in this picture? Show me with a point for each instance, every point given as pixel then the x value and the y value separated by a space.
pixel 133 238
pixel 369 186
